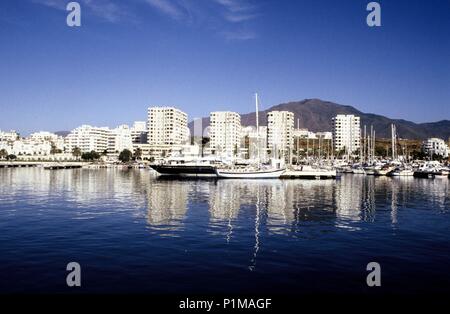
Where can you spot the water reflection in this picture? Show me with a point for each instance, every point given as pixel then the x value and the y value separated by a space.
pixel 278 207
pixel 167 205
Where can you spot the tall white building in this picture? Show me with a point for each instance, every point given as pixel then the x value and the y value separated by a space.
pixel 167 126
pixel 347 133
pixel 436 146
pixel 225 132
pixel 88 138
pixel 119 139
pixel 280 132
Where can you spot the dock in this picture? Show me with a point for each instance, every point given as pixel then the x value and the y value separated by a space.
pixel 45 165
pixel 58 166
pixel 19 164
pixel 309 174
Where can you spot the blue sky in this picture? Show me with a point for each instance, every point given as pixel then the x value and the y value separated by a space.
pixel 204 55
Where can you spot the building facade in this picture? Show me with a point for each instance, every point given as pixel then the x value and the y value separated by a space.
pixel 280 133
pixel 8 136
pixel 435 146
pixel 88 138
pixel 225 133
pixel 347 133
pixel 119 139
pixel 167 126
pixel 139 132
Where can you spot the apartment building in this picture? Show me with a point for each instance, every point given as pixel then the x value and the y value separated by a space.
pixel 347 133
pixel 225 133
pixel 88 138
pixel 119 139
pixel 435 146
pixel 167 126
pixel 280 133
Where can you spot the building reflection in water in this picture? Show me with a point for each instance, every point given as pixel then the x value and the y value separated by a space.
pixel 224 204
pixel 262 207
pixel 167 203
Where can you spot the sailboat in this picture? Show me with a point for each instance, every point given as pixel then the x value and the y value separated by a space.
pixel 258 171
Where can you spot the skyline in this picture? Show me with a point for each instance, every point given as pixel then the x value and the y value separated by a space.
pixel 216 54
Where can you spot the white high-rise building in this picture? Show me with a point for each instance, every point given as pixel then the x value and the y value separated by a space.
pixel 347 133
pixel 88 138
pixel 119 139
pixel 435 146
pixel 167 126
pixel 225 132
pixel 280 133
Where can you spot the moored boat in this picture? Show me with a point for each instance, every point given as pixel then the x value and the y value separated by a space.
pixel 385 170
pixel 402 173
pixel 249 173
pixel 182 167
pixel 308 172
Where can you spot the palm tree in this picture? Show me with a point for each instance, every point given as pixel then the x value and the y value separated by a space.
pixel 76 152
pixel 3 153
pixel 137 153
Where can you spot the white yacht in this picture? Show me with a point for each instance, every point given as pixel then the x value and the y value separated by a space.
pixel 250 173
pixel 405 172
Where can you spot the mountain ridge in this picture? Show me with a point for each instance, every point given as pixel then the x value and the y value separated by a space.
pixel 316 114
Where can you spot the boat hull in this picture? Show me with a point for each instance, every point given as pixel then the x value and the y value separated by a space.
pixel 424 174
pixel 230 174
pixel 185 171
pixel 298 174
pixel 402 174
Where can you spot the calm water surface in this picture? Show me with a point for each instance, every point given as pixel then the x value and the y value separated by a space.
pixel 132 232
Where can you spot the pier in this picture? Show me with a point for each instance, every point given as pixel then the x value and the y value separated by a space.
pixel 45 165
pixel 58 166
pixel 18 164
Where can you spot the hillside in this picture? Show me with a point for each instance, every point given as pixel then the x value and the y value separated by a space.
pixel 316 115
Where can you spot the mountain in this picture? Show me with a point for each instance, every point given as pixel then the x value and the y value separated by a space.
pixel 62 133
pixel 316 115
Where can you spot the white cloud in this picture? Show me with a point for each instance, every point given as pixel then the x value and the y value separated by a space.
pixel 167 7
pixel 237 18
pixel 229 18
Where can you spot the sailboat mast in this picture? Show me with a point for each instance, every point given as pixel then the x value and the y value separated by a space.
pixel 257 126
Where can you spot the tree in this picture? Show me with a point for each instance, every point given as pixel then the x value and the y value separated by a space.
pixel 11 157
pixel 90 156
pixel 137 153
pixel 380 151
pixel 125 155
pixel 76 152
pixel 3 153
pixel 54 150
